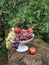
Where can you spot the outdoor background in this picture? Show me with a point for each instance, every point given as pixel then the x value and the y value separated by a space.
pixel 26 13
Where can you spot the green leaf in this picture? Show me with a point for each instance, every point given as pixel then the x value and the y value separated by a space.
pixel 1 33
pixel 0 12
pixel 2 2
pixel 3 53
pixel 1 38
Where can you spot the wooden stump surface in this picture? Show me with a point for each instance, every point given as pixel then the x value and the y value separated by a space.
pixel 41 57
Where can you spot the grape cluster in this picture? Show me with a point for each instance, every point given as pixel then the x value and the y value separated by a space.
pixel 10 37
pixel 23 36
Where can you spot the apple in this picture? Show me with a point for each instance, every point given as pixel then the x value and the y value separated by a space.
pixel 17 30
pixel 29 30
pixel 32 51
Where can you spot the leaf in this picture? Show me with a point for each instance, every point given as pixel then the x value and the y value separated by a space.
pixel 2 2
pixel 1 38
pixel 47 27
pixel 1 33
pixel 4 44
pixel 0 12
pixel 3 53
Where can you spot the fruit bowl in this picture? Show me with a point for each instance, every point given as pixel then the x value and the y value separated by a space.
pixel 22 47
pixel 24 42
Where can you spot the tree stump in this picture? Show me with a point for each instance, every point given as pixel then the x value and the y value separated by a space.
pixel 41 57
pixel 3 62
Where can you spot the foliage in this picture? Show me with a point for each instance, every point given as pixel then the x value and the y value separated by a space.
pixel 27 13
pixel 34 12
pixel 3 51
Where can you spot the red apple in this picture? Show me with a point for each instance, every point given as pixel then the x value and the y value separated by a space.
pixel 17 30
pixel 29 30
pixel 32 51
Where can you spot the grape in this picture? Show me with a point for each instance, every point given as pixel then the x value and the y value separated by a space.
pixel 22 36
pixel 15 45
pixel 29 36
pixel 18 35
pixel 25 38
pixel 16 40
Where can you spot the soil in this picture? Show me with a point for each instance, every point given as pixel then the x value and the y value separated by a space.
pixel 41 57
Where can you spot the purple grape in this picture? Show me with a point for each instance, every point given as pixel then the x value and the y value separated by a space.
pixel 15 45
pixel 16 40
pixel 22 37
pixel 24 34
pixel 29 36
pixel 25 38
pixel 18 35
